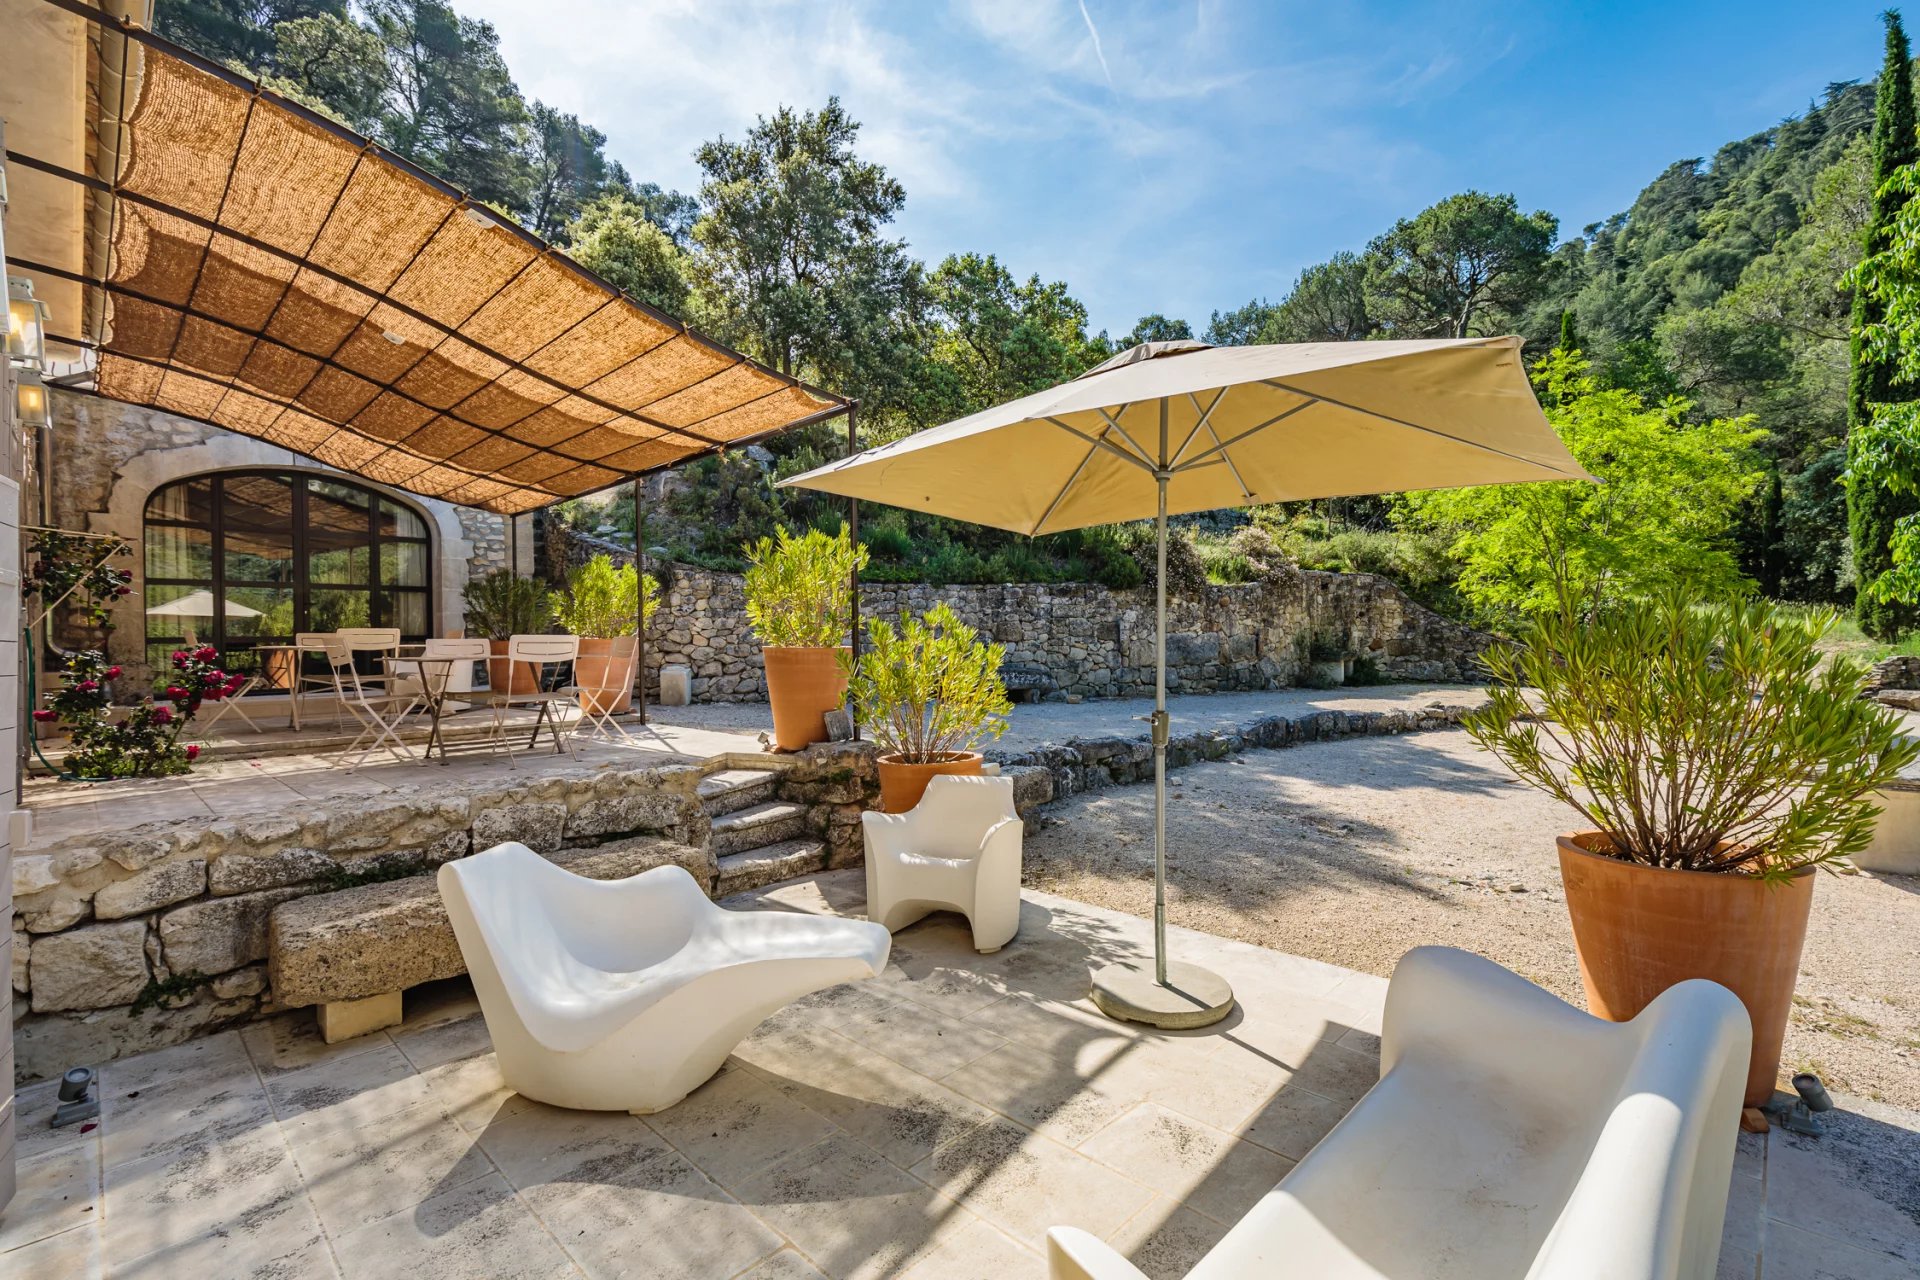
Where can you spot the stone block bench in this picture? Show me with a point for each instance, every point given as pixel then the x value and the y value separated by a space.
pixel 352 952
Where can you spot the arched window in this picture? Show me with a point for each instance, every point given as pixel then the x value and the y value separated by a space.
pixel 240 558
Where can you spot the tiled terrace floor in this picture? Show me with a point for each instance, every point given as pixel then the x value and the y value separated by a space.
pixel 930 1124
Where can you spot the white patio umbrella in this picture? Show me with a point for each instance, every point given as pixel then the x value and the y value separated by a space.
pixel 199 604
pixel 1173 427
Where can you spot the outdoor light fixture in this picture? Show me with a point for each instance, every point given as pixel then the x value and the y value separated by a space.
pixel 481 218
pixel 398 340
pixel 76 1097
pixel 30 407
pixel 26 325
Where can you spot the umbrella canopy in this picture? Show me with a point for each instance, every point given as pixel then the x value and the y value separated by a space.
pixel 1171 427
pixel 199 604
pixel 1233 426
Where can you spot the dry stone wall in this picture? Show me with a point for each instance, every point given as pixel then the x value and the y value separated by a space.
pixel 1094 642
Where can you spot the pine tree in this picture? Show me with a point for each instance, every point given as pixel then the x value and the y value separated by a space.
pixel 1873 510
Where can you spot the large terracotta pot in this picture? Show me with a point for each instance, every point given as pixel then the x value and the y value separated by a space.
pixel 1641 929
pixel 605 665
pixel 903 783
pixel 525 675
pixel 803 684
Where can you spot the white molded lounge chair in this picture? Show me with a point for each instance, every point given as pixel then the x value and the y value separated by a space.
pixel 958 849
pixel 1510 1137
pixel 624 995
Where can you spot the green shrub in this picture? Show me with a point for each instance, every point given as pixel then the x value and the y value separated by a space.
pixel 1700 737
pixel 600 601
pixel 929 689
pixel 886 535
pixel 800 589
pixel 501 605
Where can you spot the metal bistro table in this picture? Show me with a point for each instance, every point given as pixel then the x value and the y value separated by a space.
pixel 433 676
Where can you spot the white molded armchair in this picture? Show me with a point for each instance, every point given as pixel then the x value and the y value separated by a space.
pixel 958 849
pixel 624 995
pixel 1511 1137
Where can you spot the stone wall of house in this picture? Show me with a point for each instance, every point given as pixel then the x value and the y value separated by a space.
pixel 108 457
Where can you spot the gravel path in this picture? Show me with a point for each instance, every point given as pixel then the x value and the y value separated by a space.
pixel 1353 851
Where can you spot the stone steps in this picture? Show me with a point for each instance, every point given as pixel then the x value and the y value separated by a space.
pixel 772 822
pixel 732 790
pixel 763 865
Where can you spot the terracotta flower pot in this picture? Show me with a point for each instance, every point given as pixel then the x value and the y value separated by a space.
pixel 903 782
pixel 803 684
pixel 524 675
pixel 1641 929
pixel 605 665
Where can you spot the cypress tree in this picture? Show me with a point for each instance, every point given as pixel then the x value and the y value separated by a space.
pixel 1569 340
pixel 1872 510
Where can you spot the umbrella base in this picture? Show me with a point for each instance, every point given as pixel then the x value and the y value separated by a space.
pixel 1193 997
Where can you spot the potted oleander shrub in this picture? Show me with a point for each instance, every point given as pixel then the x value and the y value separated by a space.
pixel 800 602
pixel 1717 762
pixel 928 693
pixel 601 605
pixel 501 605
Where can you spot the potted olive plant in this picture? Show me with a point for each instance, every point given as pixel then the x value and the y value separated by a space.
pixel 929 693
pixel 501 605
pixel 800 602
pixel 1716 763
pixel 601 605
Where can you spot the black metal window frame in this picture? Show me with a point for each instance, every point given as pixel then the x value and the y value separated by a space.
pixel 381 595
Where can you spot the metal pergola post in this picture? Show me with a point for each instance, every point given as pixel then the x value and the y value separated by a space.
pixel 853 536
pixel 640 583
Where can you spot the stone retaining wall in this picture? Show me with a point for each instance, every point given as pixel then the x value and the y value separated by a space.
pixel 174 918
pixel 1091 641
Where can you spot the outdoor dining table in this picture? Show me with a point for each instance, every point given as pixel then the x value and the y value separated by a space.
pixel 434 675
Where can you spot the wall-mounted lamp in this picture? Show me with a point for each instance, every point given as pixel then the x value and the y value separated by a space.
pixel 30 407
pixel 26 325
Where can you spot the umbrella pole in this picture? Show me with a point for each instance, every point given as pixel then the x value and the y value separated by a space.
pixel 1176 996
pixel 1160 736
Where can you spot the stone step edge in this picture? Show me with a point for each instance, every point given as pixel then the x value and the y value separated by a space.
pixel 768 864
pixel 760 815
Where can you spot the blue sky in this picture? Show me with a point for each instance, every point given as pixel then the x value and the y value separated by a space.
pixel 1183 157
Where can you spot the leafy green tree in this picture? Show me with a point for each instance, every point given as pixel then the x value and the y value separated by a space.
pixel 331 62
pixel 1664 513
pixel 614 237
pixel 1156 328
pixel 793 265
pixel 453 107
pixel 1239 327
pixel 239 32
pixel 1328 304
pixel 1882 481
pixel 568 167
pixel 992 338
pixel 1465 266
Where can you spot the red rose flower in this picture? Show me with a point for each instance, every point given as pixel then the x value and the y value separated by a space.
pixel 43 716
pixel 193 751
pixel 113 673
pixel 163 715
pixel 175 693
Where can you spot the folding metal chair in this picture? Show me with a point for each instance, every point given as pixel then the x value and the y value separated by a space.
pixel 303 683
pixel 377 710
pixel 539 652
pixel 597 701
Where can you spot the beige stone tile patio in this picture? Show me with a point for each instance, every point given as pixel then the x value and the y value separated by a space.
pixel 931 1125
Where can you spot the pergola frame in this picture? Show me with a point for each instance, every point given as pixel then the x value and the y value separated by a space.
pixel 376 297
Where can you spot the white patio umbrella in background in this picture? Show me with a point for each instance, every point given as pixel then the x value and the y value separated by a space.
pixel 1173 427
pixel 199 604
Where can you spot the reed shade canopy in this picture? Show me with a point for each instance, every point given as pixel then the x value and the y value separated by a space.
pixel 270 272
pixel 1171 427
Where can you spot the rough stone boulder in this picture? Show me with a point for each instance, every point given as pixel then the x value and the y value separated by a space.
pixel 378 938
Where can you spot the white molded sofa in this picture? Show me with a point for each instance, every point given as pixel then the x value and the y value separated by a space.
pixel 958 849
pixel 1510 1137
pixel 624 995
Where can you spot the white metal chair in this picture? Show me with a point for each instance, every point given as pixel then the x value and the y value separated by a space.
pixel 377 710
pixel 459 676
pixel 1510 1135
pixel 540 653
pixel 624 995
pixel 958 849
pixel 599 697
